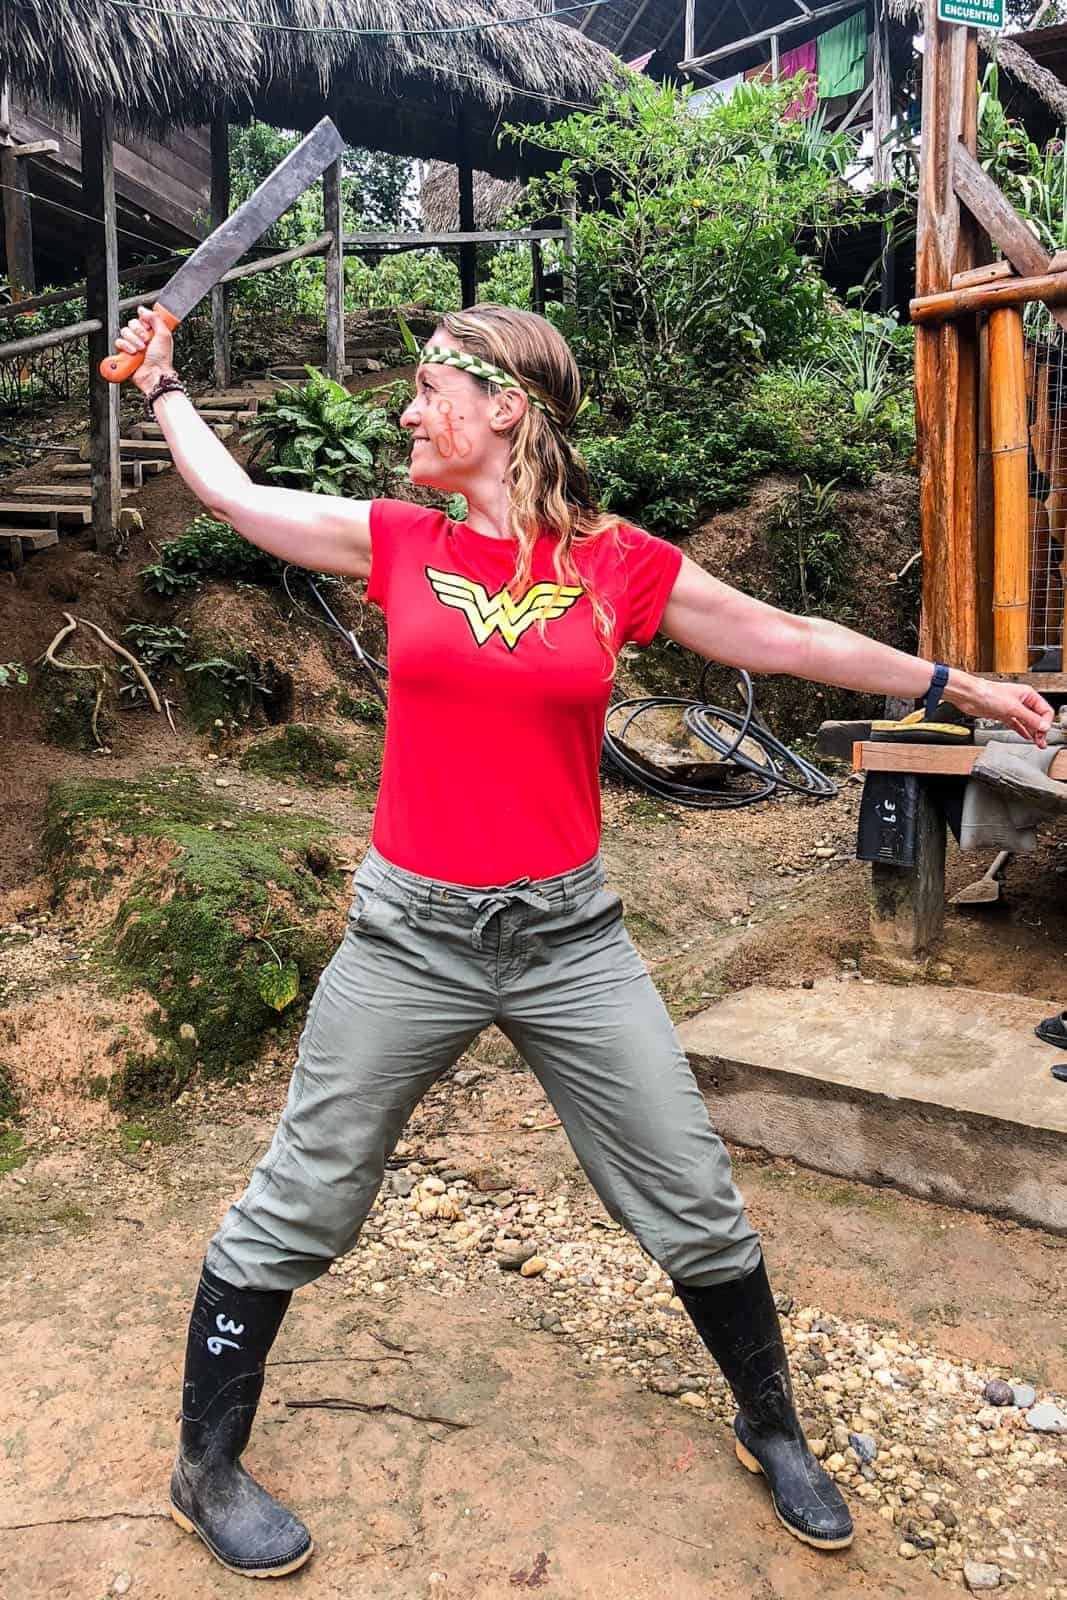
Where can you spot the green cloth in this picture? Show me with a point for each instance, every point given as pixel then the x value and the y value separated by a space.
pixel 843 57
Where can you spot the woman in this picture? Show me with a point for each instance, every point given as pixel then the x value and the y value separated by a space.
pixel 482 898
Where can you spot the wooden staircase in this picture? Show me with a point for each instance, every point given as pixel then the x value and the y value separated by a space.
pixel 32 515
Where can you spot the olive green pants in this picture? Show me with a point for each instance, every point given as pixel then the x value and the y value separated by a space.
pixel 423 968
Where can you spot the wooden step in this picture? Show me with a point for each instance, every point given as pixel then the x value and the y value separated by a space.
pixel 152 430
pixel 18 543
pixel 149 449
pixel 297 374
pixel 133 470
pixel 63 491
pixel 217 414
pixel 228 402
pixel 43 511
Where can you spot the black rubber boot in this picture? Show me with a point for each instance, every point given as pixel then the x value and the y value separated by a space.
pixel 230 1335
pixel 739 1324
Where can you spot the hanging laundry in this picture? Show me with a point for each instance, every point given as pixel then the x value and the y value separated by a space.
pixel 639 63
pixel 842 54
pixel 701 99
pixel 794 62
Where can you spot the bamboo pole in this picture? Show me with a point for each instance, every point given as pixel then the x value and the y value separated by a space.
pixel 984 509
pixel 994 272
pixel 1010 445
pixel 1051 288
pixel 332 213
pixel 96 130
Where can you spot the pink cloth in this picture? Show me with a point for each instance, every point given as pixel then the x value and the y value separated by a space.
pixel 802 59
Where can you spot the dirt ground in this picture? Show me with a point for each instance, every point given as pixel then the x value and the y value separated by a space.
pixel 564 1476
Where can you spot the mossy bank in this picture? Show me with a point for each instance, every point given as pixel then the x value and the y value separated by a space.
pixel 223 917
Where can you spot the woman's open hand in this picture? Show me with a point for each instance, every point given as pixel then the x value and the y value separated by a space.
pixel 1017 705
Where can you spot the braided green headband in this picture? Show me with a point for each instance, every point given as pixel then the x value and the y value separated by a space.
pixel 438 356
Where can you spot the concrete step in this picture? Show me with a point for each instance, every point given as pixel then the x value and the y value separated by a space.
pixel 944 1093
pixel 45 511
pixel 62 491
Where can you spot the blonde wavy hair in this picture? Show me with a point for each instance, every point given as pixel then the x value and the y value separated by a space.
pixel 548 482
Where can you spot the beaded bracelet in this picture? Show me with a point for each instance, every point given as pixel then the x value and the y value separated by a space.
pixel 169 383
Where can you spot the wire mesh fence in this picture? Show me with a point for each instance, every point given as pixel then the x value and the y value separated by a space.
pixel 1046 383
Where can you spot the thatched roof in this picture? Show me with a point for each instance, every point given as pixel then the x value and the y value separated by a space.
pixel 439 198
pixel 1011 54
pixel 399 93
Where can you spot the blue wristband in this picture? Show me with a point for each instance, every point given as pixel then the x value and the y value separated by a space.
pixel 937 686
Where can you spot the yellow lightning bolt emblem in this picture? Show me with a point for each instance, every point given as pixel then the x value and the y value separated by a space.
pixel 499 613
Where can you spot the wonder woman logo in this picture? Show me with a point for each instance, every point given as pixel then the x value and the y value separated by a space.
pixel 499 613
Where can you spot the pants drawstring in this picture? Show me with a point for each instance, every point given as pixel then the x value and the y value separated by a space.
pixel 489 906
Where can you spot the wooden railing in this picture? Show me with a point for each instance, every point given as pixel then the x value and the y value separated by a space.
pixel 333 244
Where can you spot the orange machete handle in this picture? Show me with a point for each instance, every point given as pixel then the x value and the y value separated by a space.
pixel 116 369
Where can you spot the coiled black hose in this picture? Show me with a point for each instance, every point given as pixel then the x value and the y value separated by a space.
pixel 747 780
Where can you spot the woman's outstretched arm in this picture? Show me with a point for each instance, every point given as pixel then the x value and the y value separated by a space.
pixel 322 532
pixel 725 625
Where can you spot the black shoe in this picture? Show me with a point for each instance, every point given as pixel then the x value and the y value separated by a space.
pixel 739 1324
pixel 230 1335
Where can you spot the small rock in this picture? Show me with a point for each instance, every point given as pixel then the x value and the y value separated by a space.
pixel 825 852
pixel 1023 1395
pixel 1047 1418
pixel 120 1583
pixel 663 1383
pixel 980 1575
pixel 466 1077
pixel 221 783
pixel 285 800
pixel 908 1550
pixel 549 1321
pixel 808 983
pixel 864 1445
pixel 691 1398
pixel 403 1183
pixel 783 1303
pixel 433 1186
pixel 835 1463
pixel 512 1258
pixel 998 1393
pixel 533 1267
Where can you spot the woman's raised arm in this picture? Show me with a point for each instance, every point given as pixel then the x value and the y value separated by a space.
pixel 322 532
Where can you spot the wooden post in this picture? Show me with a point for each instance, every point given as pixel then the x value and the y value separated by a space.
pixel 220 210
pixel 537 288
pixel 18 228
pixel 984 508
pixel 881 101
pixel 1010 445
pixel 689 46
pixel 101 303
pixel 946 356
pixel 468 253
pixel 333 222
pixel 570 278
pixel 908 903
pixel 775 58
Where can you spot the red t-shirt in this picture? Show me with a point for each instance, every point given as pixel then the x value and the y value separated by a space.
pixel 492 743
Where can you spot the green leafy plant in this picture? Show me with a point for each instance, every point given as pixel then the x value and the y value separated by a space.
pixel 239 682
pixel 13 673
pixel 320 437
pixel 693 252
pixel 208 549
pixel 808 547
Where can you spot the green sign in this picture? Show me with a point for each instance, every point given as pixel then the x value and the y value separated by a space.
pixel 986 14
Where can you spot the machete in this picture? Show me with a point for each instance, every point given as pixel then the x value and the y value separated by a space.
pixel 222 249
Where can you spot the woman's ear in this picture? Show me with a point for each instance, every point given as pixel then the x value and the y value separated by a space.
pixel 508 406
